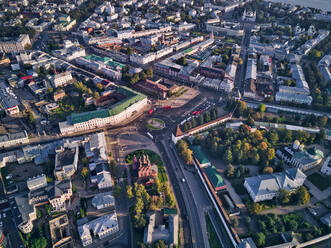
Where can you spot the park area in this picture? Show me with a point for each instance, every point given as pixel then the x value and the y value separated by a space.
pixel 157 196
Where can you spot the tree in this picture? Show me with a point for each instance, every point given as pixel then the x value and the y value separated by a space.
pixel 117 191
pixel 85 160
pixel 248 220
pixel 323 121
pixel 112 167
pixel 235 222
pixel 257 208
pixel 159 244
pixel 262 109
pixel 129 192
pixel 149 72
pixel 303 196
pixel 84 172
pixel 284 196
pixel 228 155
pixel 96 95
pixel 260 239
pixel 268 170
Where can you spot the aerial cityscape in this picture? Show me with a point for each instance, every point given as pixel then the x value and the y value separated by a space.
pixel 165 123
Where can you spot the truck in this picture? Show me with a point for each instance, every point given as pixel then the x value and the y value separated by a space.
pixel 149 135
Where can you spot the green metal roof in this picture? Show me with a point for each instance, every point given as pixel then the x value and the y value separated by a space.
pixel 108 61
pixel 188 50
pixel 214 177
pixel 200 155
pixel 132 97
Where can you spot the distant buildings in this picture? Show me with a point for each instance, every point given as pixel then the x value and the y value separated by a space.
pixel 100 227
pixel 266 187
pixel 300 158
pixel 66 160
pixel 13 139
pixel 10 45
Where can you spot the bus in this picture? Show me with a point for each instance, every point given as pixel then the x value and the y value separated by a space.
pixel 149 135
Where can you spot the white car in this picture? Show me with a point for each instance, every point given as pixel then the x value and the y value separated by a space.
pixel 183 180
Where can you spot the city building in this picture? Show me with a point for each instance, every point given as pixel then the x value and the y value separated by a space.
pixel 147 171
pixel 8 100
pixel 102 177
pixel 215 178
pixel 154 88
pixel 103 200
pixel 70 51
pixel 10 45
pixel 24 213
pixel 61 195
pixel 13 139
pixel 326 220
pixel 297 156
pixel 66 160
pixel 100 227
pixel 266 187
pixel 58 95
pixel 200 156
pixel 131 103
pixel 152 233
pixel 36 182
pixel 60 232
pixel 65 23
pixel 61 79
pixel 326 168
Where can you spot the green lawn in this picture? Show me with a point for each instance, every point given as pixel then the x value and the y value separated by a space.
pixel 150 126
pixel 320 181
pixel 214 242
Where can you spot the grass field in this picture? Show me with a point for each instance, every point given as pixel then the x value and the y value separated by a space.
pixel 320 181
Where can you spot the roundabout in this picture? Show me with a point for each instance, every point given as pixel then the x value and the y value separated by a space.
pixel 155 124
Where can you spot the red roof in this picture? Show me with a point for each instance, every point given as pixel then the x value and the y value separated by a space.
pixel 27 77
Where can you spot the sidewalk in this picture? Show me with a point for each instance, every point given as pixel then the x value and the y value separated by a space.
pixel 319 195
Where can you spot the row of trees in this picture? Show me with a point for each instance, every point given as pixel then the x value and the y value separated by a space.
pixel 185 152
pixel 201 119
pixel 35 239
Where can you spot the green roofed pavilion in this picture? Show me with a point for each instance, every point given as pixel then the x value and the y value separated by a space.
pixel 200 156
pixel 215 178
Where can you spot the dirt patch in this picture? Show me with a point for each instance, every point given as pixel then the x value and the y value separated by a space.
pixel 178 101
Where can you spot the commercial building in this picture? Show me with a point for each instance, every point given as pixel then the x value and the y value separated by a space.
pixel 131 103
pixel 103 200
pixel 100 227
pixel 10 45
pixel 8 100
pixel 70 51
pixel 66 160
pixel 266 187
pixel 298 157
pixel 13 139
